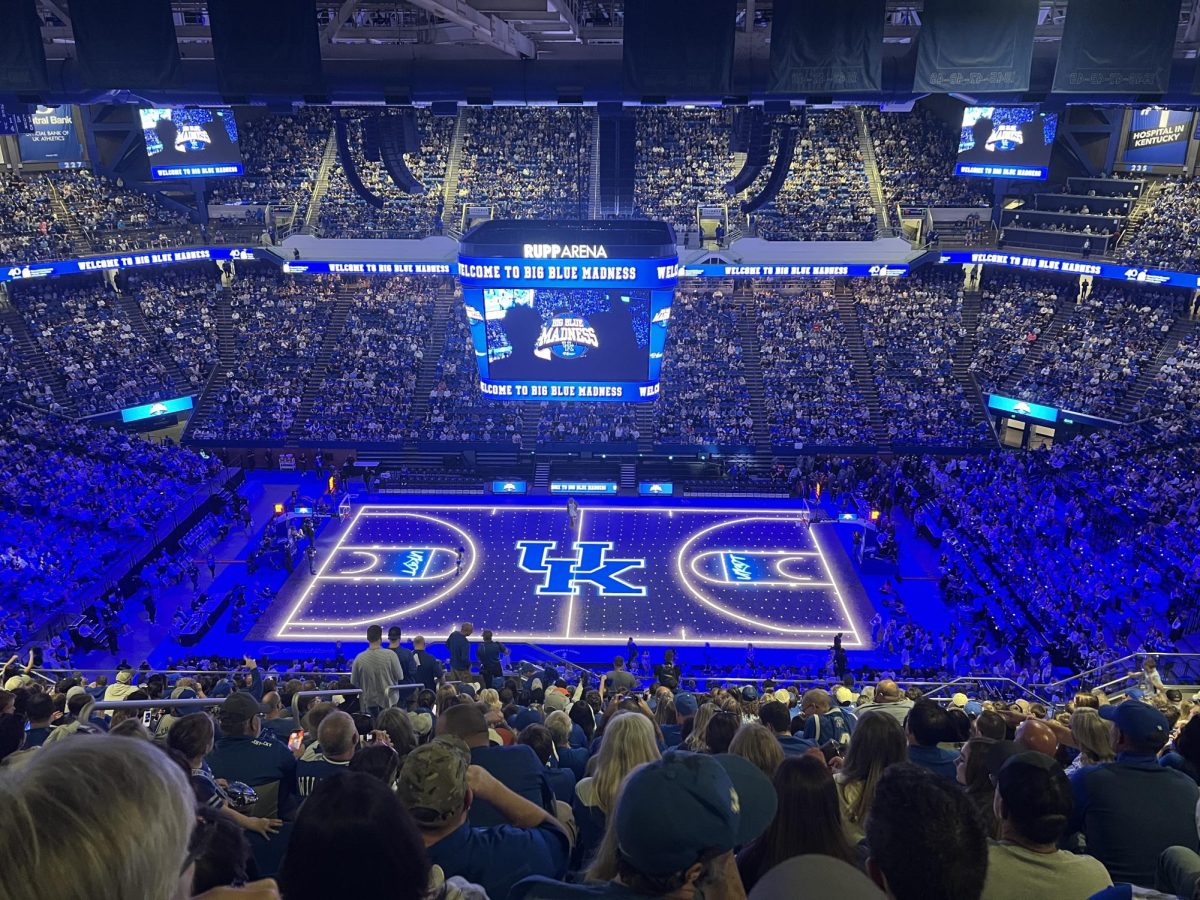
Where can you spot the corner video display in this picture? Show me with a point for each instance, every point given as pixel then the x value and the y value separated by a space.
pixel 1006 142
pixel 1157 140
pixel 191 143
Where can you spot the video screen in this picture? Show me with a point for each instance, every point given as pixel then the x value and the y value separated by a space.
pixel 1157 137
pixel 1005 142
pixel 577 335
pixel 191 143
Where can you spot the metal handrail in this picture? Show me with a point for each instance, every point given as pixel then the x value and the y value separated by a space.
pixel 349 692
pixel 968 679
pixel 1124 659
pixel 156 704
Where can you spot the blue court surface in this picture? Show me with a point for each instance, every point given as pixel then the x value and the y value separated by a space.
pixel 658 574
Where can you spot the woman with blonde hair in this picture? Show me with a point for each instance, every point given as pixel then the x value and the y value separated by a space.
pixel 1093 736
pixel 628 742
pixel 756 743
pixel 490 697
pixel 695 740
pixel 60 812
pixel 879 742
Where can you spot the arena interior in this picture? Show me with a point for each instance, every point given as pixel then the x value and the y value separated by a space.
pixel 775 425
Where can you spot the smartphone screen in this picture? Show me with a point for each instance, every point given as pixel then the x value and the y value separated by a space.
pixel 147 717
pixel 296 740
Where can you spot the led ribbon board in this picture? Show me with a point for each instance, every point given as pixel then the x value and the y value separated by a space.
pixel 156 409
pixel 1114 271
pixel 569 310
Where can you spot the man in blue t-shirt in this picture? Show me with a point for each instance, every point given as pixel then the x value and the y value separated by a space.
pixel 517 768
pixel 438 785
pixel 928 725
pixel 427 668
pixel 407 666
pixel 242 754
pixel 459 649
pixel 774 715
pixel 337 740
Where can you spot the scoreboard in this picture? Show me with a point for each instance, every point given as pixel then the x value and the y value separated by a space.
pixel 571 311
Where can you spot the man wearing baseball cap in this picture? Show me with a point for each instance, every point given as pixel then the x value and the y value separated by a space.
pixel 242 754
pixel 1131 810
pixel 716 803
pixel 438 784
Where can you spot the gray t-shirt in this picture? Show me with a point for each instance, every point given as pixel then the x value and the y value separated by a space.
pixel 374 671
pixel 620 680
pixel 1015 873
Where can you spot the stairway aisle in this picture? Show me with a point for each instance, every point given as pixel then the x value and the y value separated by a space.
pixel 450 207
pixel 227 358
pixel 747 325
pixel 444 307
pixel 848 314
pixel 133 311
pixel 594 209
pixel 964 354
pixel 320 185
pixel 874 180
pixel 1047 341
pixel 347 296
pixel 80 242
pixel 1139 212
pixel 29 351
pixel 1180 329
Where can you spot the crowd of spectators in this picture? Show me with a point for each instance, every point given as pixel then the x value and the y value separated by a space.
pixel 705 398
pixel 912 329
pixel 1173 398
pixel 530 785
pixel 1112 334
pixel 106 211
pixel 181 304
pixel 915 152
pixel 587 423
pixel 82 329
pixel 280 158
pixel 279 321
pixel 368 389
pixel 31 231
pixel 825 196
pixel 458 411
pixel 1094 540
pixel 812 397
pixel 73 500
pixel 346 215
pixel 527 163
pixel 684 159
pixel 1165 236
pixel 1014 311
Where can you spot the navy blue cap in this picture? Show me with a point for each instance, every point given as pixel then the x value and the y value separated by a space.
pixel 1139 721
pixel 685 704
pixel 716 803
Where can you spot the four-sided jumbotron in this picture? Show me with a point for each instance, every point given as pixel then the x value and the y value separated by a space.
pixel 666 575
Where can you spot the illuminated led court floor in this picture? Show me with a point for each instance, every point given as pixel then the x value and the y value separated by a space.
pixel 665 575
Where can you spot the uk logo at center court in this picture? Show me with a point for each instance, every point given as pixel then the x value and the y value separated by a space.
pixel 590 565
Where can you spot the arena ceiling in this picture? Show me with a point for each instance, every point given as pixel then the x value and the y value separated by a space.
pixel 529 29
pixel 508 51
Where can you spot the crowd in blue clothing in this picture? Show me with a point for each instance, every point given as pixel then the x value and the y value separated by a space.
pixel 529 784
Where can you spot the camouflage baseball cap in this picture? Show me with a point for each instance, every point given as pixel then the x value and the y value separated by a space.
pixel 433 780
